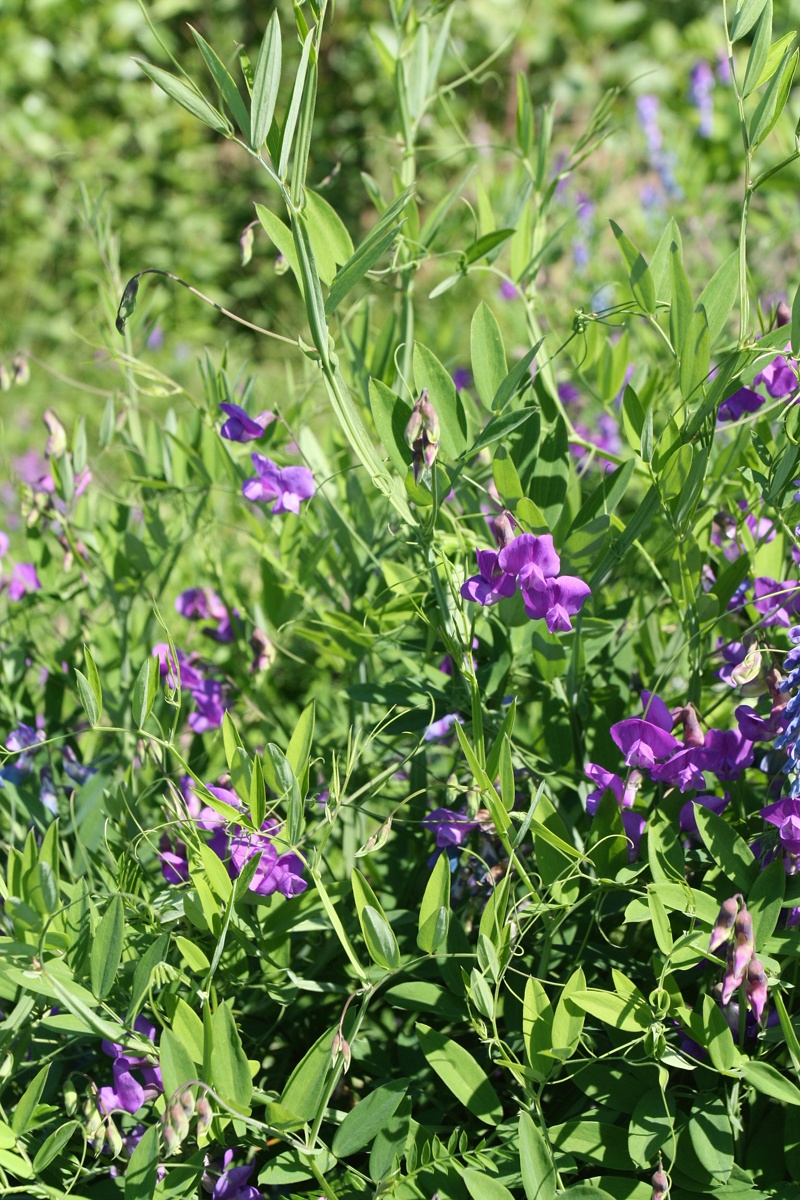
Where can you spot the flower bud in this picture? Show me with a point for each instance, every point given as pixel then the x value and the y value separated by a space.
pixel 171 1139
pixel 5 378
pixel 70 1094
pixel 743 944
pixel 341 1046
pixel 187 1103
pixel 414 427
pixel 783 314
pixel 127 304
pixel 113 1139
pixel 723 923
pixel 204 1116
pixel 179 1121
pixel 246 244
pixel 692 733
pixel 56 445
pixel 749 669
pixel 429 452
pixel 660 1183
pixel 756 987
pixel 503 526
pixel 430 417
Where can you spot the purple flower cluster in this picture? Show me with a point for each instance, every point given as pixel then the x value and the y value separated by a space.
pixel 701 87
pixel 208 694
pixel 661 160
pixel 23 578
pixel 275 872
pixel 530 562
pixel 733 928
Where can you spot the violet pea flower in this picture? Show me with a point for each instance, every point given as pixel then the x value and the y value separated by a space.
pixel 778 377
pixel 785 814
pixel 683 769
pixel 745 400
pixel 287 486
pixel 726 753
pixel 23 581
pixel 491 584
pixel 561 600
pixel 4 544
pixel 643 740
pixel 687 819
pixel 449 827
pixel 779 602
pixel 532 559
pixel 240 427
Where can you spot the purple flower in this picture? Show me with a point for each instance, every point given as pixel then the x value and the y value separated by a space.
pixel 492 584
pixel 701 85
pixel 462 378
pixel 644 739
pixel 778 377
pixel 4 543
pixel 200 604
pixel 450 828
pixel 726 753
pixel 440 729
pixel 508 290
pixel 210 700
pixel 634 825
pixel 785 814
pixel 287 486
pixel 779 602
pixel 683 769
pixel 23 580
pixel 188 675
pixel 225 1182
pixel 760 729
pixel 606 781
pixel 240 427
pixel 533 560
pixel 128 1093
pixel 561 600
pixel 275 873
pixel 23 737
pixel 605 437
pixel 745 400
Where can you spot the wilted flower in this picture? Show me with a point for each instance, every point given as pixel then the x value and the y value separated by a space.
pixel 287 486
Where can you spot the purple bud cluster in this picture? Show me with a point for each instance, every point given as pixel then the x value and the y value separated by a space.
pixel 733 928
pixel 422 435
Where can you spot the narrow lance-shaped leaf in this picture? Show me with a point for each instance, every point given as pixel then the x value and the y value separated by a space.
pixel 487 353
pixel 773 102
pixel 266 80
pixel 757 57
pixel 224 81
pixel 638 271
pixel 290 124
pixel 187 97
pixel 434 913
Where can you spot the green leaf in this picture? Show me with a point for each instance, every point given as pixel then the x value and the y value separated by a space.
pixel 770 1081
pixel 499 427
pixel 484 1187
pixel 87 697
pixel 584 1191
pixel 728 850
pixel 696 356
pixel 429 373
pixel 537 1027
pixel 258 794
pixel 757 57
pixel 290 124
pixel 651 1130
pixel 536 1164
pixel 224 81
pixel 459 1072
pixel 517 380
pixel 304 1086
pixel 266 80
pixel 682 305
pixel 568 1017
pixel 53 1146
pixel 29 1101
pixel 774 56
pixel 229 1070
pixel 188 98
pixel 660 921
pixel 390 414
pixel 591 1141
pixel 638 271
pixel 367 254
pixel 773 102
pixel 485 244
pixel 298 751
pixel 93 676
pixel 144 691
pixel 718 295
pixel 434 913
pixel 107 947
pixel 368 1118
pixel 329 237
pixel 710 1136
pixel 621 1012
pixel 765 902
pixel 717 1037
pixel 177 1066
pixel 747 13
pixel 506 479
pixel 141 1172
pixel 487 353
pixel 281 237
pixel 379 937
pixel 153 955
